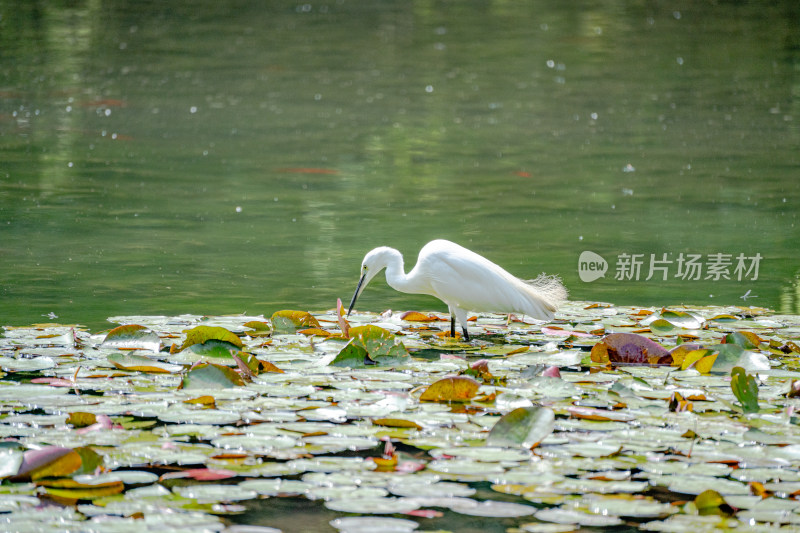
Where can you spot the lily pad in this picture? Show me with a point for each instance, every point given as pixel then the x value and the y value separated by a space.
pixel 451 389
pixel 86 490
pixel 497 509
pixel 409 487
pixel 745 389
pixel 140 363
pixel 371 345
pixel 215 493
pixel 661 326
pixel 352 356
pixel 34 364
pixel 48 461
pixel 208 376
pixel 701 360
pixel 606 442
pixel 565 515
pixel 698 484
pixel 287 321
pixel 388 505
pixel 487 454
pixel 10 461
pixel 628 507
pixel 363 524
pixel 629 348
pixel 745 339
pixel 524 426
pixel 682 319
pixel 132 337
pixel 215 341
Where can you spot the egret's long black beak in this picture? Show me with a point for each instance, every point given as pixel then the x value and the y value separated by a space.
pixel 355 294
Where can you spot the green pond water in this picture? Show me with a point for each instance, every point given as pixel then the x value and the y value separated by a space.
pixel 224 157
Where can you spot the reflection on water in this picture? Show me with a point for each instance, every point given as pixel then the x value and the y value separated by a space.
pixel 218 158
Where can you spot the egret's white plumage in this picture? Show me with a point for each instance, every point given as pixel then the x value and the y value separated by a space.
pixel 465 281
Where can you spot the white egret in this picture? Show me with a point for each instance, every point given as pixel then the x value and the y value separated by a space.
pixel 465 281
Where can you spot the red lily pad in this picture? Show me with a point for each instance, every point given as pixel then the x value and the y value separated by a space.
pixel 201 474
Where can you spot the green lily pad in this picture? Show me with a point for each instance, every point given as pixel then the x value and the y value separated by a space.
pixel 132 337
pixel 128 477
pixel 746 341
pixel 364 524
pixel 140 363
pixel 728 356
pixel 276 487
pixel 411 488
pixel 371 345
pixel 388 505
pixel 352 356
pixel 255 443
pixel 540 527
pixel 487 454
pixel 377 341
pixel 34 364
pixel 745 389
pixel 466 469
pixel 524 426
pixel 495 509
pixel 661 326
pixel 682 319
pixel 565 515
pixel 215 493
pixel 287 321
pixel 710 502
pixel 208 376
pixel 214 348
pixel 698 484
pixel 10 462
pixel 211 340
pixel 628 507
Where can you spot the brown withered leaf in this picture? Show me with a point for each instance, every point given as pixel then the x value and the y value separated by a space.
pixel 416 316
pixel 630 348
pixel 451 389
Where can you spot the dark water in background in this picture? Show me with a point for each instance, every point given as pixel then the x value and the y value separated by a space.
pixel 221 157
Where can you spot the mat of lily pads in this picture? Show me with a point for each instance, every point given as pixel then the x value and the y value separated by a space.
pixel 614 417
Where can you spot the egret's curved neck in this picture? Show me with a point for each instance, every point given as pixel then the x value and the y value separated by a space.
pixel 396 276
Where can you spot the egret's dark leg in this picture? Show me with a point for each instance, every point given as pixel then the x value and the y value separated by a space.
pixel 466 333
pixel 453 325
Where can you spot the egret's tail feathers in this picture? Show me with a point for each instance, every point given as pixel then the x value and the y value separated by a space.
pixel 550 290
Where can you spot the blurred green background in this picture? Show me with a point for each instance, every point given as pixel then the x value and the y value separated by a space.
pixel 221 157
